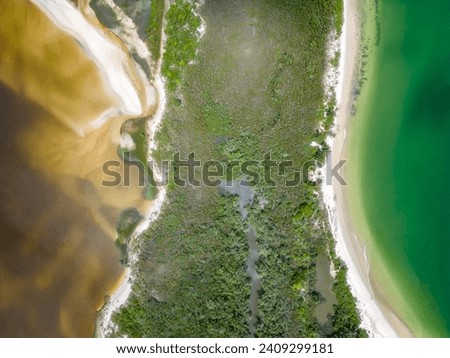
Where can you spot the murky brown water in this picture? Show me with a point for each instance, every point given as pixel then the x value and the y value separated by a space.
pixel 57 223
pixel 324 285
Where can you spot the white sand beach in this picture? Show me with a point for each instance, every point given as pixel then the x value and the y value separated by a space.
pixel 378 319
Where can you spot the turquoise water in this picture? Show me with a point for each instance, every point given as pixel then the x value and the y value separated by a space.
pixel 400 151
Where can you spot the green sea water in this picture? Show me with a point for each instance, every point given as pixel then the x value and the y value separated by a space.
pixel 400 158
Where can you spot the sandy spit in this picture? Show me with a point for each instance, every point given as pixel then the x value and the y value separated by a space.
pixel 109 58
pixel 105 325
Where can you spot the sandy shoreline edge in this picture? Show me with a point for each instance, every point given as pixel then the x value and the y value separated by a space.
pixel 377 318
pixel 104 325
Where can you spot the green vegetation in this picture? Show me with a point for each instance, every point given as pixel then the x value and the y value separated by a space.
pixel 339 15
pixel 126 224
pixel 195 285
pixel 182 41
pixel 345 321
pixel 255 87
pixel 136 128
pixel 154 29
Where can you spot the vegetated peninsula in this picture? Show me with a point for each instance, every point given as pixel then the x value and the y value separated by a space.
pixel 166 168
pixel 239 257
pixel 163 167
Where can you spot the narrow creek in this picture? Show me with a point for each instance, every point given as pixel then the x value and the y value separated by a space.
pixel 246 195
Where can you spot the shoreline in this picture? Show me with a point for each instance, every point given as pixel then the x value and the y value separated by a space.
pixel 137 96
pixel 121 293
pixel 123 290
pixel 377 318
pixel 104 324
